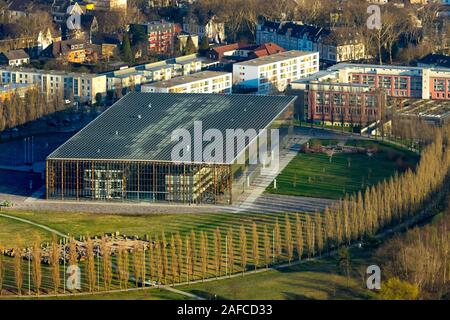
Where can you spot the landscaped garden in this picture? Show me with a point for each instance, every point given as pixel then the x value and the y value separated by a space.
pixel 324 171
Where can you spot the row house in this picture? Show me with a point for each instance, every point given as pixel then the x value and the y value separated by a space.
pixel 201 82
pixel 333 45
pixel 157 71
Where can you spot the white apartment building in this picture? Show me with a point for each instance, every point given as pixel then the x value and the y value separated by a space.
pixel 157 71
pixel 81 87
pixel 201 82
pixel 274 73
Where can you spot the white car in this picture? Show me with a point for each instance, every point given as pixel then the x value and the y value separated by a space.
pixel 67 101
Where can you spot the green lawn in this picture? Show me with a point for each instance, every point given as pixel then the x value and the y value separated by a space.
pixel 11 229
pixel 313 175
pixel 319 279
pixel 97 224
pixel 147 294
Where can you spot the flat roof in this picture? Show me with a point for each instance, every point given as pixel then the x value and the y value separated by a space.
pixel 139 126
pixel 277 57
pixel 344 65
pixel 51 72
pixel 187 79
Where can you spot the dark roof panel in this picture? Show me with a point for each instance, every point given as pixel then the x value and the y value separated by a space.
pixel 140 125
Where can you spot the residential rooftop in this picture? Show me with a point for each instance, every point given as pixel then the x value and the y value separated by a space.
pixel 187 79
pixel 140 125
pixel 382 66
pixel 54 72
pixel 275 58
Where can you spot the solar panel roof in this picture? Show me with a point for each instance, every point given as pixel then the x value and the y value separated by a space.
pixel 140 125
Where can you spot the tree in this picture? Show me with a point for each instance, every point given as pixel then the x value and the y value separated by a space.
pixel 122 266
pixel 255 245
pixel 90 264
pixel 106 263
pixel 159 261
pixel 190 47
pixel 230 249
pixel 151 260
pixel 164 257
pixel 277 239
pixel 194 251
pixel 173 259
pixel 189 266
pixel 266 247
pixel 288 238
pixel 330 227
pixel 344 262
pixel 310 235
pixel 54 256
pixel 18 276
pixel 319 232
pixel 299 236
pixel 396 289
pixel 73 254
pixel 138 265
pixel 203 253
pixel 204 45
pixel 36 264
pixel 179 245
pixel 127 54
pixel 2 270
pixel 243 248
pixel 217 251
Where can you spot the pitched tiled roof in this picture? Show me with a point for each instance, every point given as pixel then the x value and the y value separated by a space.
pixel 16 54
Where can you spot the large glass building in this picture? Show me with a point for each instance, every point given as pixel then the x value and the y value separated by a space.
pixel 136 149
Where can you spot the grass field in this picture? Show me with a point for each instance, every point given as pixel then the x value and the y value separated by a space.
pixel 147 294
pixel 313 175
pixel 10 229
pixel 98 224
pixel 318 279
pixel 153 225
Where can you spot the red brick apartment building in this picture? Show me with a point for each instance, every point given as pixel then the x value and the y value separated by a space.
pixel 161 35
pixel 355 93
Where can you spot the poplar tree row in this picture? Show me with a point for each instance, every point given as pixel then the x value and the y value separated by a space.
pixel 16 110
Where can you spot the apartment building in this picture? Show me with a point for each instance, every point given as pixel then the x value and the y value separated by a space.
pixel 81 87
pixel 331 103
pixel 157 71
pixel 20 89
pixel 333 45
pixel 201 82
pixel 274 73
pixel 160 34
pixel 398 81
pixel 354 93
